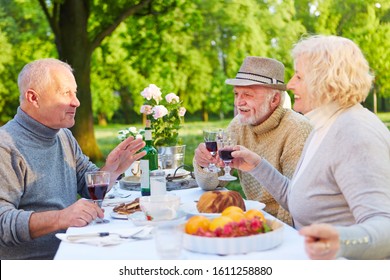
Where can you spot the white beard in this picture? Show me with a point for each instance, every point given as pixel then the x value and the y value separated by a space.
pixel 257 118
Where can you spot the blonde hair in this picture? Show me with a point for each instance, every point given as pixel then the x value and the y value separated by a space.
pixel 336 70
pixel 38 75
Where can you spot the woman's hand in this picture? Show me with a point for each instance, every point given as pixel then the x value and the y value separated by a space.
pixel 244 159
pixel 321 241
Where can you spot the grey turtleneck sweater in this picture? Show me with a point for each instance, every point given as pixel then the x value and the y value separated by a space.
pixel 41 169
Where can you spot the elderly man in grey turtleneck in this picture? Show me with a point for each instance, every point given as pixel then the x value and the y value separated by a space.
pixel 42 167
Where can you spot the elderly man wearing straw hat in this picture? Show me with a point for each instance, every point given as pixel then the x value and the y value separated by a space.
pixel 263 125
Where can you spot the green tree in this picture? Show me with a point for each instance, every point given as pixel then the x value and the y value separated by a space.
pixel 79 27
pixel 364 22
pixel 23 38
pixel 7 96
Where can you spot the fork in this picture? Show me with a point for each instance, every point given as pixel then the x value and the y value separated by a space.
pixel 115 193
pixel 143 234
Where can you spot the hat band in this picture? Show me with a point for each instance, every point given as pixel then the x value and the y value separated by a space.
pixel 258 78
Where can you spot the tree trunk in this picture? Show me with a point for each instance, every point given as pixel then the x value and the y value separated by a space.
pixel 375 101
pixel 69 22
pixel 102 120
pixel 205 114
pixel 74 48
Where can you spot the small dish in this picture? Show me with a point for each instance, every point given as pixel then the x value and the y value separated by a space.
pixel 190 208
pixel 139 219
pixel 130 182
pixel 118 216
pixel 160 207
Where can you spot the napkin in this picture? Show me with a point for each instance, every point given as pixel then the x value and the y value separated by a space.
pixel 109 240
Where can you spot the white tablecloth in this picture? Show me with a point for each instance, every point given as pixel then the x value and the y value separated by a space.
pixel 292 246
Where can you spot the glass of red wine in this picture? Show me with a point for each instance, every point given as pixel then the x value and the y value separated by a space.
pixel 211 137
pixel 225 149
pixel 97 184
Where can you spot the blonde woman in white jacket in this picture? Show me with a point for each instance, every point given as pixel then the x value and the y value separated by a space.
pixel 339 195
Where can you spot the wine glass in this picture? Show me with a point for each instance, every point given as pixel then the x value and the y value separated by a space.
pixel 225 150
pixel 97 183
pixel 211 137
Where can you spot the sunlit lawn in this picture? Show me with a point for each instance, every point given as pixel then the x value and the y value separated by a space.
pixel 191 134
pixel 385 117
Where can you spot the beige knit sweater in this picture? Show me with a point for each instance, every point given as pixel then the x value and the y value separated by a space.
pixel 280 140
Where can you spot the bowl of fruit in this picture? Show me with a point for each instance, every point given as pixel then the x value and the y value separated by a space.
pixel 233 232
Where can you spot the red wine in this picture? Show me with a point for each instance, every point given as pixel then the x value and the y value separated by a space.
pixel 98 191
pixel 211 146
pixel 225 155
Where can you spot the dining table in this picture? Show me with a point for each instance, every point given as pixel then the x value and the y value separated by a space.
pixel 291 247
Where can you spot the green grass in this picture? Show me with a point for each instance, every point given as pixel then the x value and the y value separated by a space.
pixel 385 117
pixel 191 134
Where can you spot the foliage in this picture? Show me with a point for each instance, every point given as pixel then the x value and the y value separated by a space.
pixel 364 22
pixel 6 95
pixel 24 37
pixel 187 47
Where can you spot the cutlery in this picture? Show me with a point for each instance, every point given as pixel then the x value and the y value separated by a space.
pixel 111 196
pixel 76 237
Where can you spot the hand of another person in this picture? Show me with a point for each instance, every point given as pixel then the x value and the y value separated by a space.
pixel 244 159
pixel 120 158
pixel 321 241
pixel 79 214
pixel 203 156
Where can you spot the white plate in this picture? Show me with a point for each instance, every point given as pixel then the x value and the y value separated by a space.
pixel 118 216
pixel 129 182
pixel 139 219
pixel 190 208
pixel 181 173
pixel 112 202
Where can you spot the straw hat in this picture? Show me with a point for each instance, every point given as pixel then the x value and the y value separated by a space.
pixel 262 71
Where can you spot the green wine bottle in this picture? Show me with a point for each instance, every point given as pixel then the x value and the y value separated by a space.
pixel 149 162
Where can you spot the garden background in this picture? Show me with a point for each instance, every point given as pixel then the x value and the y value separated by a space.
pixel 117 48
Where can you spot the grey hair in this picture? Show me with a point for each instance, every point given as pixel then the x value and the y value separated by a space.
pixel 280 92
pixel 37 75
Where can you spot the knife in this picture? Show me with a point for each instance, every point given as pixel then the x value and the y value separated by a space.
pixel 87 235
pixel 75 237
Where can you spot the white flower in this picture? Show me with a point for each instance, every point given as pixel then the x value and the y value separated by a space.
pixel 131 131
pixel 159 111
pixel 122 134
pixel 146 109
pixel 182 111
pixel 171 96
pixel 152 91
